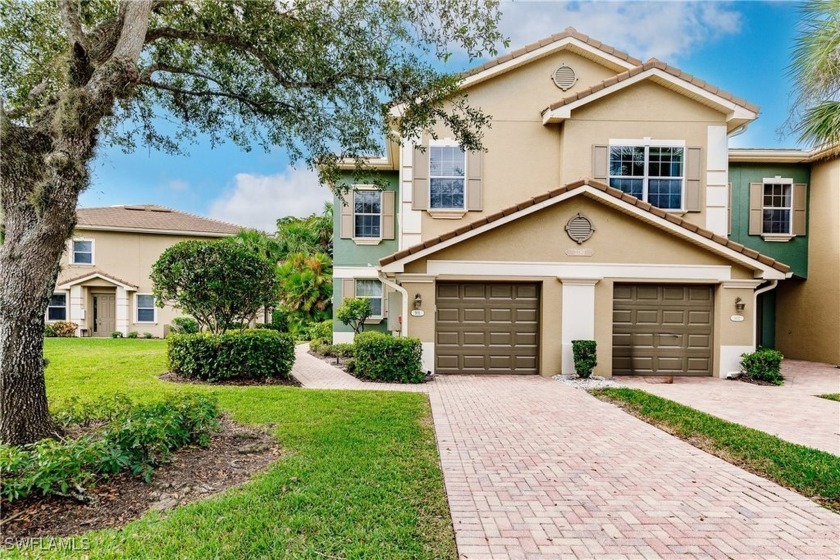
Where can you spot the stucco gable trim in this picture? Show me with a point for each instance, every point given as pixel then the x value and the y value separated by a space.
pixel 734 108
pixel 764 267
pixel 67 284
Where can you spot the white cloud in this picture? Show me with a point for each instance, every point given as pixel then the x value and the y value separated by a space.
pixel 178 185
pixel 665 30
pixel 257 201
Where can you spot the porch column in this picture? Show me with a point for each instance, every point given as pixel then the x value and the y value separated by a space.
pixel 122 310
pixel 77 309
pixel 735 327
pixel 578 316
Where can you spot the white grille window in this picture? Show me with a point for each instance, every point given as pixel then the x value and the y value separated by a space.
pixel 372 291
pixel 776 207
pixel 367 214
pixel 145 308
pixel 82 252
pixel 651 173
pixel 57 308
pixel 447 165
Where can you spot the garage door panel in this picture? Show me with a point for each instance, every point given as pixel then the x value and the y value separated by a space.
pixel 492 327
pixel 669 331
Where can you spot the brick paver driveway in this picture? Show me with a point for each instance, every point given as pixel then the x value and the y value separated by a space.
pixel 791 412
pixel 535 469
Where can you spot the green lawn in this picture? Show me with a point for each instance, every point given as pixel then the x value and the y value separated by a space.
pixel 811 472
pixel 360 477
pixel 830 396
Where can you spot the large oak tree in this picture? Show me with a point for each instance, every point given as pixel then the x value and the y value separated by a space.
pixel 313 77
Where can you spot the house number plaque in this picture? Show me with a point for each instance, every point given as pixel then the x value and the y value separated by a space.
pixel 417 312
pixel 736 318
pixel 575 252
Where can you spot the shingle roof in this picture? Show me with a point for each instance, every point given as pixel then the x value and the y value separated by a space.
pixel 654 63
pixel 763 259
pixel 152 217
pixel 566 33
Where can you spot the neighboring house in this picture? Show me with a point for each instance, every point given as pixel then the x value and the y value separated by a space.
pixel 600 210
pixel 104 283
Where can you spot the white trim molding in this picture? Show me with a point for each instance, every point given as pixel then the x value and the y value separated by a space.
pixel 356 272
pixel 96 275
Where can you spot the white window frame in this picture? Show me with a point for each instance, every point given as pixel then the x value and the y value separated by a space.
pixel 446 143
pixel 381 297
pixel 367 240
pixel 72 258
pixel 66 307
pixel 777 180
pixel 154 308
pixel 648 143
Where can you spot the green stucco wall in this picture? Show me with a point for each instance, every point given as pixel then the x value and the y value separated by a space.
pixel 793 253
pixel 345 251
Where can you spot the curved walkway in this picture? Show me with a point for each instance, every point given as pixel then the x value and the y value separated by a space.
pixel 536 469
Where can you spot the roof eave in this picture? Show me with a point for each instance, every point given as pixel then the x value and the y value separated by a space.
pixel 94 227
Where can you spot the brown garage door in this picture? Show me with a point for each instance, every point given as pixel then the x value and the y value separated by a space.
pixel 662 329
pixel 487 328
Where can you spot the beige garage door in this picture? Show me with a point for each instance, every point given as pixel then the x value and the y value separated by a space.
pixel 662 329
pixel 487 328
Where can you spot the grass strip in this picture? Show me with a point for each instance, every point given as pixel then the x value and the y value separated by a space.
pixel 830 396
pixel 810 472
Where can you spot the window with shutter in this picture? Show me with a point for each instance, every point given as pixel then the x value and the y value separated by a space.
pixel 777 209
pixel 650 172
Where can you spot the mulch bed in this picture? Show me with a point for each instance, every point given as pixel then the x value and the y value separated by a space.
pixel 746 379
pixel 175 378
pixel 234 455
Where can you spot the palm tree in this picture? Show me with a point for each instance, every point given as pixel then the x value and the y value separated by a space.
pixel 816 71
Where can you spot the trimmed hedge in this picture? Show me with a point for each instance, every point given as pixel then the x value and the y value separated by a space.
pixel 584 352
pixel 382 357
pixel 764 364
pixel 253 354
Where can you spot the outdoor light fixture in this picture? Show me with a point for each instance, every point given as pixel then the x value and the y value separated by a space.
pixel 418 301
pixel 739 304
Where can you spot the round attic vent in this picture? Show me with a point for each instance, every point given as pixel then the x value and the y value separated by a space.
pixel 564 77
pixel 580 228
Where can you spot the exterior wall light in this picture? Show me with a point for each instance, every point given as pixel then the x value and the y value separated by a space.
pixel 418 301
pixel 739 304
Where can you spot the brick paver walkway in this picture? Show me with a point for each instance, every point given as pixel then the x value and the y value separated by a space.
pixel 536 469
pixel 791 412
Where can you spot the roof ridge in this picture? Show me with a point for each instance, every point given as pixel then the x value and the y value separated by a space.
pixel 615 193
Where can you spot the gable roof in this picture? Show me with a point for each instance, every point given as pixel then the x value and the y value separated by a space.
pixel 739 110
pixel 96 274
pixel 152 218
pixel 569 38
pixel 769 267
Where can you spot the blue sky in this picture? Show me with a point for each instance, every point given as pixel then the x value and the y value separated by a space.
pixel 742 47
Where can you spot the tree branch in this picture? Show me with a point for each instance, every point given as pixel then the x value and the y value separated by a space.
pixel 257 107
pixel 72 21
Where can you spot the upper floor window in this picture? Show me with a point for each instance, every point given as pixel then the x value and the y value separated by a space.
pixel 777 206
pixel 447 178
pixel 57 308
pixel 651 173
pixel 367 213
pixel 372 291
pixel 82 251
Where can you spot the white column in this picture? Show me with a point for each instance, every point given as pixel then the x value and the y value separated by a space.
pixel 717 180
pixel 578 316
pixel 122 310
pixel 77 309
pixel 410 220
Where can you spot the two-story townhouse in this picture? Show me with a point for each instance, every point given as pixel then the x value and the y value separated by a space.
pixel 599 210
pixel 104 285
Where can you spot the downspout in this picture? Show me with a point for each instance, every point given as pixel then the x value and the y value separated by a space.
pixel 404 323
pixel 771 286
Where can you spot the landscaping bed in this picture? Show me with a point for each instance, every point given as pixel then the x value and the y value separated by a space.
pixel 810 472
pixel 233 456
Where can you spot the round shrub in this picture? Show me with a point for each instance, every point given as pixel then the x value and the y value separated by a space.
pixel 764 365
pixel 133 334
pixel 64 329
pixel 185 325
pixel 252 354
pixel 382 357
pixel 322 331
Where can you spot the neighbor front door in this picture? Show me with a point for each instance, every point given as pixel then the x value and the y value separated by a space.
pixel 104 314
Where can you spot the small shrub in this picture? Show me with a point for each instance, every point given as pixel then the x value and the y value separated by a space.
pixel 147 335
pixel 185 325
pixel 318 346
pixel 280 320
pixel 354 312
pixel 64 329
pixel 584 352
pixel 322 331
pixel 116 334
pixel 343 350
pixel 49 332
pixel 763 365
pixel 250 354
pixel 133 334
pixel 382 357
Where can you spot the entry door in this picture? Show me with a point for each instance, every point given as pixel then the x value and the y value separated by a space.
pixel 104 314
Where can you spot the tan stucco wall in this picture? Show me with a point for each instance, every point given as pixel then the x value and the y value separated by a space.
pixel 129 257
pixel 808 312
pixel 541 238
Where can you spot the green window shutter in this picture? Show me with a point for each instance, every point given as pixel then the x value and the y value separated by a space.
pixel 348 288
pixel 800 199
pixel 601 163
pixel 420 173
pixel 756 216
pixel 388 214
pixel 346 215
pixel 693 172
pixel 475 161
pixel 729 209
